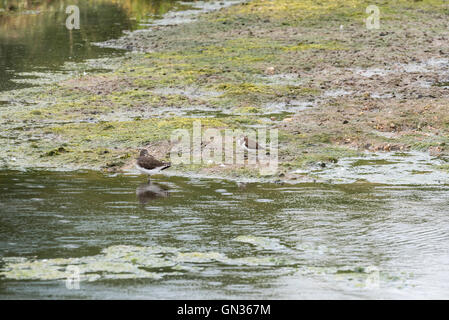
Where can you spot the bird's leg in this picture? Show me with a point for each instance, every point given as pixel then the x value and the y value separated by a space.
pixel 149 180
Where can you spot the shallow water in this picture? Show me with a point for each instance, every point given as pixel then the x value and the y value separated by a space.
pixel 398 168
pixel 200 238
pixel 34 40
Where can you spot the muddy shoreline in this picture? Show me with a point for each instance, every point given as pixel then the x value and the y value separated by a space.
pixel 332 88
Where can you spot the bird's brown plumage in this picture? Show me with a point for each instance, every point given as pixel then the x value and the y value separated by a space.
pixel 148 162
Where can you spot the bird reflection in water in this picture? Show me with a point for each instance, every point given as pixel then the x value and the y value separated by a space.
pixel 149 191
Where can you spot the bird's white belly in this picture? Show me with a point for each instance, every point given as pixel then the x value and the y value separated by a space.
pixel 146 171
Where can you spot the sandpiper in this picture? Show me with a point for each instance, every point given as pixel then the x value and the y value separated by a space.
pixel 147 164
pixel 250 145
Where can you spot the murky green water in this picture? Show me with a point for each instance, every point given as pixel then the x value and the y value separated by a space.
pixel 35 40
pixel 194 238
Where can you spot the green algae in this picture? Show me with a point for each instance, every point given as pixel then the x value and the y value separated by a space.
pixel 127 98
pixel 314 46
pixel 123 262
pixel 292 13
pixel 87 140
pixel 444 167
pixel 200 257
pixel 248 110
pixel 372 162
pixel 441 84
pixel 261 242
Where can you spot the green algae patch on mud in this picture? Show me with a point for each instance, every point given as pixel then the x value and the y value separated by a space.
pixel 308 149
pixel 111 144
pixel 235 58
pixel 314 46
pixel 293 12
pixel 444 84
pixel 248 110
pixel 372 162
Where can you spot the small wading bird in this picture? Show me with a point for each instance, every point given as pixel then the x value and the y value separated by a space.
pixel 147 164
pixel 250 145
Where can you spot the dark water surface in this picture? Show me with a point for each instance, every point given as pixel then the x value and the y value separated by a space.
pixel 196 238
pixel 34 38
